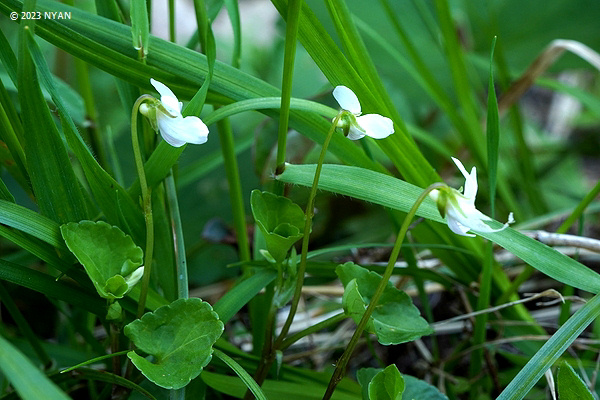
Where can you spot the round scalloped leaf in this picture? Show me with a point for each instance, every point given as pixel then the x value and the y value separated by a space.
pixel 106 253
pixel 394 320
pixel 279 219
pixel 179 337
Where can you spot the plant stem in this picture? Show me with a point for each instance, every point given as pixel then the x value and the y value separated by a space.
pixel 268 357
pixel 291 33
pixel 235 187
pixel 312 329
pixel 147 205
pixel 340 368
pixel 180 260
pixel 307 225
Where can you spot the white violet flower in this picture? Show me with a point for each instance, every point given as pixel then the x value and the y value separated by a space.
pixel 459 208
pixel 356 126
pixel 165 116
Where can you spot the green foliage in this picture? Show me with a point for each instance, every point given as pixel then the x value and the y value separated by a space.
pixel 179 337
pixel 387 385
pixel 569 385
pixel 109 256
pixel 280 221
pixel 413 388
pixel 394 320
pixel 29 382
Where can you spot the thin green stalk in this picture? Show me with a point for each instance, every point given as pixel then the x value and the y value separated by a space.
pixel 309 214
pixel 340 368
pixel 180 260
pixel 578 212
pixel 147 205
pixel 268 357
pixel 93 361
pixel 291 33
pixel 235 187
pixel 313 329
pixel 172 21
pixel 241 372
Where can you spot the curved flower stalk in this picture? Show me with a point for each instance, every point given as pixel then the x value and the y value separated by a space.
pixel 356 126
pixel 165 116
pixel 459 208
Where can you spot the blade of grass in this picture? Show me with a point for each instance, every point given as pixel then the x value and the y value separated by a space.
pixel 551 351
pixel 394 193
pixel 241 372
pixel 28 381
pixel 57 190
pixel 49 286
pixel 291 34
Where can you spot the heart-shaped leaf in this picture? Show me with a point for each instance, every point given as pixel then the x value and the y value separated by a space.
pixel 387 385
pixel 180 337
pixel 280 221
pixel 394 320
pixel 109 256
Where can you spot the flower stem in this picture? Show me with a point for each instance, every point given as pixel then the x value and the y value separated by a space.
pixel 307 224
pixel 340 368
pixel 235 187
pixel 147 205
pixel 268 357
pixel 180 260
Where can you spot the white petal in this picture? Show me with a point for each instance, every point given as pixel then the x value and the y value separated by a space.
pixel 167 97
pixel 470 180
pixel 458 228
pixel 376 126
pixel 347 99
pixel 178 131
pixel 354 133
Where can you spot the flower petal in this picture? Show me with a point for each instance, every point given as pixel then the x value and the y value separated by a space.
pixel 375 125
pixel 347 99
pixel 470 190
pixel 354 133
pixel 458 228
pixel 167 98
pixel 179 131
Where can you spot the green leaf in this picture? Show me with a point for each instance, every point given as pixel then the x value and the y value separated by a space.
pixel 29 382
pixel 551 350
pixel 180 337
pixel 233 386
pixel 140 27
pixel 242 293
pixel 570 386
pixel 57 191
pixel 387 385
pixel 109 256
pixel 399 195
pixel 416 389
pixel 280 221
pixel 394 320
pixel 118 207
pixel 243 374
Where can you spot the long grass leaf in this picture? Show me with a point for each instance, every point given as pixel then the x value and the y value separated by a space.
pixel 57 190
pixel 551 351
pixel 28 381
pixel 400 195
